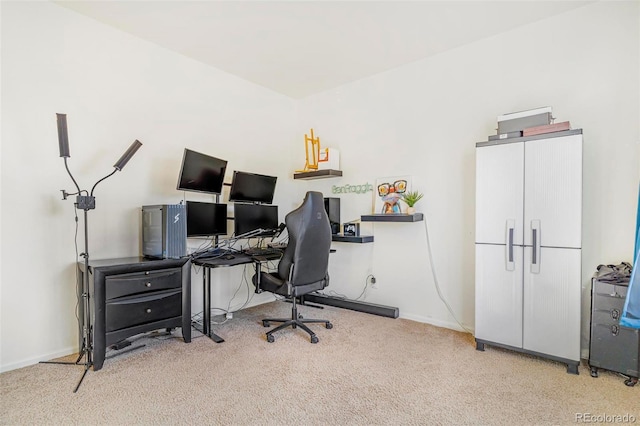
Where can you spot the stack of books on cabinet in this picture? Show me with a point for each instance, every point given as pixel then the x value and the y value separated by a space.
pixel 532 122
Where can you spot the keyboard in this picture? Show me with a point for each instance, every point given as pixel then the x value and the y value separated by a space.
pixel 261 251
pixel 211 254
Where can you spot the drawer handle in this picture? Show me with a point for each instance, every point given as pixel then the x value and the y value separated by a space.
pixel 615 330
pixel 148 284
pixel 148 310
pixel 615 314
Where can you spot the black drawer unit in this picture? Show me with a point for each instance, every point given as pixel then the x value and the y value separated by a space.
pixel 612 347
pixel 135 295
pixel 142 282
pixel 132 311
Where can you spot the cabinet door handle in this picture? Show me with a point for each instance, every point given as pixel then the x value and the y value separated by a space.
pixel 148 284
pixel 148 310
pixel 510 264
pixel 535 249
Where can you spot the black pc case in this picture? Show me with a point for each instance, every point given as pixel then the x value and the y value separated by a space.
pixel 164 231
pixel 332 206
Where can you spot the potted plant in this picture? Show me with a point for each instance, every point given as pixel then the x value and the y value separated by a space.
pixel 411 198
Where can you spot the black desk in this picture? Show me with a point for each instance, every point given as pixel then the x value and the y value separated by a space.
pixel 220 262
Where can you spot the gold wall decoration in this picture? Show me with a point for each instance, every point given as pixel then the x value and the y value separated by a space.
pixel 312 144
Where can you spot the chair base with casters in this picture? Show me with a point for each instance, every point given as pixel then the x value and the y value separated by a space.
pixel 295 321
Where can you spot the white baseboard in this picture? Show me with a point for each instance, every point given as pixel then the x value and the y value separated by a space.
pixel 31 361
pixel 439 323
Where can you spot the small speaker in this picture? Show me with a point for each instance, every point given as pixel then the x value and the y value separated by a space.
pixel 332 206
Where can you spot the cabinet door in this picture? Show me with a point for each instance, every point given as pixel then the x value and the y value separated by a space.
pixel 552 303
pixel 498 295
pixel 499 193
pixel 553 191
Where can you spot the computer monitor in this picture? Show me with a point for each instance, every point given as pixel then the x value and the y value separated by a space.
pixel 249 217
pixel 253 188
pixel 206 219
pixel 201 173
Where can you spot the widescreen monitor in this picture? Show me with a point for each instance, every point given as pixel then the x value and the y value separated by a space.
pixel 201 173
pixel 249 217
pixel 206 219
pixel 252 188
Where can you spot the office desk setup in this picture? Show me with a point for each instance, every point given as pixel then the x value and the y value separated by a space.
pixel 221 261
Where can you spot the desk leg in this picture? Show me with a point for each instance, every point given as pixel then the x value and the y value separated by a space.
pixel 206 303
pixel 206 314
pixel 258 267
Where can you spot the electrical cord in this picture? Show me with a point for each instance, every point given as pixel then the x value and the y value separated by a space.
pixel 199 317
pixel 242 281
pixel 333 294
pixel 435 278
pixel 364 290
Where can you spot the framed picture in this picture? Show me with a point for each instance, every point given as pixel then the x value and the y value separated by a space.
pixel 388 194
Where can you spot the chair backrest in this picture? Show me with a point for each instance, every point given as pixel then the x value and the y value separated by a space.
pixel 309 242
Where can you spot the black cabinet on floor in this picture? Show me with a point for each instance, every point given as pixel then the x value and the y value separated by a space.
pixel 613 347
pixel 135 295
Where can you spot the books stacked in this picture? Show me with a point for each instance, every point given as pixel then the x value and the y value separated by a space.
pixel 547 128
pixel 527 123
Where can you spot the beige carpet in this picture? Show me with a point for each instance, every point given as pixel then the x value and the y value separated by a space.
pixel 367 370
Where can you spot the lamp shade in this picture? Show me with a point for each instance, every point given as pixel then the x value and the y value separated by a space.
pixel 63 136
pixel 127 155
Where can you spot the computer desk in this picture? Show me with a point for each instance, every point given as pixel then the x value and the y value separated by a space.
pixel 220 262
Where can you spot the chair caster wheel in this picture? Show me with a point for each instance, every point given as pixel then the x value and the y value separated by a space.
pixel 300 317
pixel 266 323
pixel 270 338
pixel 329 325
pixel 594 372
pixel 631 381
pixel 314 339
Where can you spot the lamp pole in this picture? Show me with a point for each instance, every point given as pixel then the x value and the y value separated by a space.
pixel 86 203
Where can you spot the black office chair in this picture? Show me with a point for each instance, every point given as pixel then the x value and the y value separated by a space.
pixel 304 264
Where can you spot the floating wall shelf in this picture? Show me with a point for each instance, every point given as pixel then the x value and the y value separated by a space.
pixel 352 239
pixel 318 174
pixel 416 217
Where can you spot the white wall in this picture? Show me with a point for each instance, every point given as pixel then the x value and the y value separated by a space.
pixel 424 119
pixel 114 89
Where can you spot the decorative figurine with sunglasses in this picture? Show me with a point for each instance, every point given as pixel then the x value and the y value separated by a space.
pixel 391 195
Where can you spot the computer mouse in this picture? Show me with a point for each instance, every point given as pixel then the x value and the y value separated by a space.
pixel 229 257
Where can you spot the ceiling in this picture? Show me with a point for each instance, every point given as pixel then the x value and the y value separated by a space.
pixel 299 48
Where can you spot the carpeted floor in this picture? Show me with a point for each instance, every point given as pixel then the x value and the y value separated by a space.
pixel 367 370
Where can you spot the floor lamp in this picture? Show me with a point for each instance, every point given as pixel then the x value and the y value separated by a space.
pixel 85 201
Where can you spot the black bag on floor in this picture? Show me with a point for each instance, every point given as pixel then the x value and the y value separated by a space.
pixel 614 273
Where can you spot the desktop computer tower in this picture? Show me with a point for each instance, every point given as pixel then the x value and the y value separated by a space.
pixel 332 206
pixel 164 231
